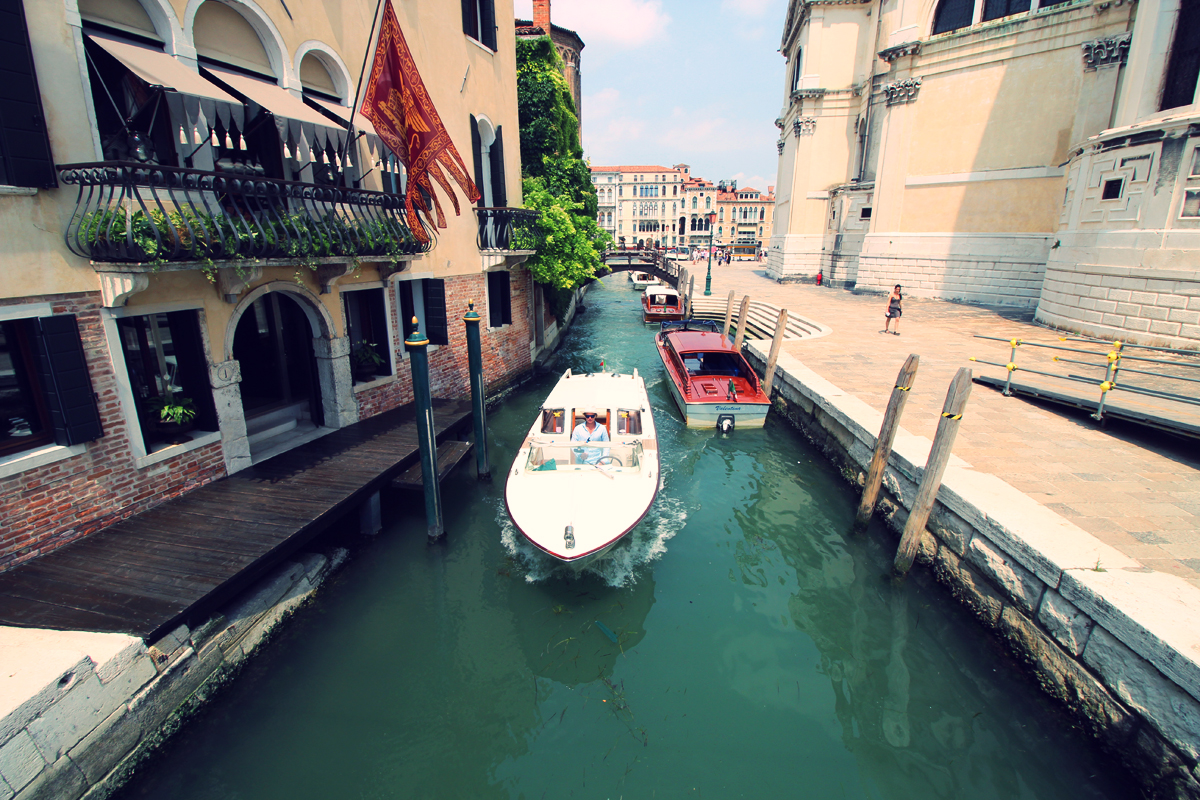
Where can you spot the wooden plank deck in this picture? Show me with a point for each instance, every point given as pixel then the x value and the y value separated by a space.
pixel 179 561
pixel 449 455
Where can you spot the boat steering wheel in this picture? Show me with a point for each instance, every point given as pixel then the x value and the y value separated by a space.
pixel 609 460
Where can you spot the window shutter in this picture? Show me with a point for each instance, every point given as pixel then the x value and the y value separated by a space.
pixel 477 153
pixel 487 16
pixel 435 311
pixel 499 195
pixel 25 158
pixel 62 368
pixel 499 299
pixel 470 19
pixel 407 309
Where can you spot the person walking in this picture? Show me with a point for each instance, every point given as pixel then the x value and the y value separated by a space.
pixel 894 311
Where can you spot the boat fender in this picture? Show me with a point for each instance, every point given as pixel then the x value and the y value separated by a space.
pixel 569 537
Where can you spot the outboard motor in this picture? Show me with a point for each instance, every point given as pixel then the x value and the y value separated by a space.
pixel 569 537
pixel 725 423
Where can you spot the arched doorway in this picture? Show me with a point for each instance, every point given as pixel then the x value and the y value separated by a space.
pixel 280 388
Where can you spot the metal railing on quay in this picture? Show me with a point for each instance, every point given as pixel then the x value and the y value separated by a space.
pixel 1113 365
pixel 129 212
pixel 506 229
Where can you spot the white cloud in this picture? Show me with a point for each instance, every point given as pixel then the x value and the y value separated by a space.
pixel 620 23
pixel 751 8
pixel 602 103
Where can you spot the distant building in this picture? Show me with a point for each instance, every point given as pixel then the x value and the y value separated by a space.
pixel 566 42
pixel 744 215
pixel 641 204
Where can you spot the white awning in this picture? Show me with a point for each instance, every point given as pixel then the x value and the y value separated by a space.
pixel 159 69
pixel 361 124
pixel 297 122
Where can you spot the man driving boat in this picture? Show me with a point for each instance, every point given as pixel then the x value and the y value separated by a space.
pixel 589 431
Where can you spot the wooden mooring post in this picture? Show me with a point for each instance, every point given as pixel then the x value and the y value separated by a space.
pixel 728 315
pixel 687 303
pixel 931 481
pixel 741 328
pixel 426 437
pixel 478 392
pixel 776 343
pixel 887 435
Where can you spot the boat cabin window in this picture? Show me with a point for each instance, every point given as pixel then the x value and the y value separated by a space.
pixel 629 421
pixel 722 364
pixel 601 419
pixel 664 300
pixel 552 420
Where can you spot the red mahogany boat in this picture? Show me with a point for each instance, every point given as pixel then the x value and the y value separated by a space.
pixel 713 384
pixel 661 303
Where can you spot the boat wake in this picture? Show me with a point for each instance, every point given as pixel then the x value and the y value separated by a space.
pixel 618 568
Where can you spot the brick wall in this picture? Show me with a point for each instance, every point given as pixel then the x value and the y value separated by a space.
pixel 45 507
pixel 506 351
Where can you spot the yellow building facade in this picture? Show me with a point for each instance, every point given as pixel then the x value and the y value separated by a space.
pixel 187 219
pixel 932 144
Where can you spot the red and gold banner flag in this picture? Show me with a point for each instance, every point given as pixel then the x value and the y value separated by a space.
pixel 396 102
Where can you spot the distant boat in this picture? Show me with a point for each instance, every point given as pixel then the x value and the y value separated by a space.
pixel 712 383
pixel 574 501
pixel 679 254
pixel 661 303
pixel 641 280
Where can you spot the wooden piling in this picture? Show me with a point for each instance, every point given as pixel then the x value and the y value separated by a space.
pixel 887 435
pixel 687 303
pixel 939 456
pixel 741 326
pixel 776 343
pixel 728 315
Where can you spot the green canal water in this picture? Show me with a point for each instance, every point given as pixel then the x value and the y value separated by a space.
pixel 761 649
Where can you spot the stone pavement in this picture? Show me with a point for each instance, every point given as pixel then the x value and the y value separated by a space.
pixel 1134 489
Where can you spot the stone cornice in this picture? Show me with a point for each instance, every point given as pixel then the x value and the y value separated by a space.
pixel 890 54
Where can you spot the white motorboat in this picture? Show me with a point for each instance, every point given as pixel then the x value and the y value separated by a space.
pixel 642 280
pixel 574 500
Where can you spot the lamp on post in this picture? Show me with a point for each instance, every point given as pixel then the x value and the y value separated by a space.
pixel 712 220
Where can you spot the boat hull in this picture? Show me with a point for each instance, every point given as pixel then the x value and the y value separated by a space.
pixel 707 414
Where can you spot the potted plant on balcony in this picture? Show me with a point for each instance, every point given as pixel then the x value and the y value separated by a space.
pixel 174 416
pixel 365 362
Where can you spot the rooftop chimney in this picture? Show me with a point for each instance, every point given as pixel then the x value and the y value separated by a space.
pixel 541 15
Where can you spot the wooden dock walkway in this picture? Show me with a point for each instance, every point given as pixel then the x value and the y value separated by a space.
pixel 179 561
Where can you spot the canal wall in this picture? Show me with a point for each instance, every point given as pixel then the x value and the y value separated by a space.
pixel 79 711
pixel 1117 644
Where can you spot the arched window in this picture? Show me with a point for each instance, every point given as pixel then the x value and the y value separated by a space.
pixel 721 215
pixel 708 203
pixel 762 213
pixel 952 15
pixel 720 232
pixel 223 35
pixel 694 201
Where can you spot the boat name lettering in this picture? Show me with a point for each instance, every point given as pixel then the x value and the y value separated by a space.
pixel 729 408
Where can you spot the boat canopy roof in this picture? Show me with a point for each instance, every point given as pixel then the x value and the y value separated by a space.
pixel 698 342
pixel 602 390
pixel 662 291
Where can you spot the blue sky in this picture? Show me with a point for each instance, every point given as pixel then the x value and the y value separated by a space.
pixel 698 82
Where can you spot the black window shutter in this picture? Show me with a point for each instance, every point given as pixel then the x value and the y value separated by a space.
pixel 1183 69
pixel 25 158
pixel 406 308
pixel 63 371
pixel 470 19
pixel 499 299
pixel 477 159
pixel 496 155
pixel 487 16
pixel 435 311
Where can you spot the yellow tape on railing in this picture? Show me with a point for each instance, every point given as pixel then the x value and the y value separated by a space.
pixel 948 415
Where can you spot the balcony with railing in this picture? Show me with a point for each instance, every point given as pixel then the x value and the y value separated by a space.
pixel 506 235
pixel 131 217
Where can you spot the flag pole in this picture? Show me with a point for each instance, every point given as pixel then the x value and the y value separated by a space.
pixel 369 56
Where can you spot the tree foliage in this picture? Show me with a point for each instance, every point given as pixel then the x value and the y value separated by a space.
pixel 556 179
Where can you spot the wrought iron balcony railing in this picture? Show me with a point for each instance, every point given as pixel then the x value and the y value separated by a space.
pixel 129 212
pixel 506 229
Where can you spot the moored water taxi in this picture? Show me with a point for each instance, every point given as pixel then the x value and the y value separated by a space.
pixel 661 304
pixel 642 280
pixel 712 383
pixel 575 492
